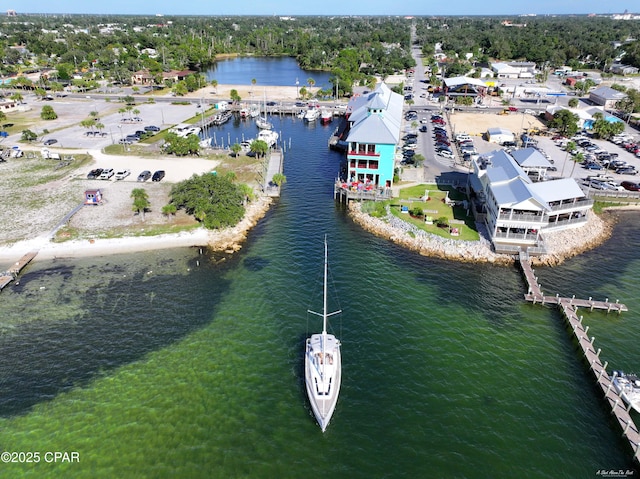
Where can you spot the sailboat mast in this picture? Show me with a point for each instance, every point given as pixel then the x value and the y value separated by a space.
pixel 324 307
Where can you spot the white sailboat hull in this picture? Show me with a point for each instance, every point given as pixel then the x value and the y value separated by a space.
pixel 323 376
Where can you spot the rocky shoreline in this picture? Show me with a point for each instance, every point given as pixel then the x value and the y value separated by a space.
pixel 560 245
pixel 231 239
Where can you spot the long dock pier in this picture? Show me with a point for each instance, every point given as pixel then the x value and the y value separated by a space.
pixel 569 308
pixel 14 270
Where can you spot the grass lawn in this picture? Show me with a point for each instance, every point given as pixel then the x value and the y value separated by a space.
pixel 435 207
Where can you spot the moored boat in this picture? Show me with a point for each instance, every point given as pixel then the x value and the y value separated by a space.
pixel 323 363
pixel 270 137
pixel 628 388
pixel 325 116
pixel 311 114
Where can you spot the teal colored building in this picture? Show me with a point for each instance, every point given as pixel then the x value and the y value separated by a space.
pixel 374 121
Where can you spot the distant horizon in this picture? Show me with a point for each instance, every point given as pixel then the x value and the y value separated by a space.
pixel 284 8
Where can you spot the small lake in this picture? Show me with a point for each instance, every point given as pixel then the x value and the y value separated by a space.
pixel 279 71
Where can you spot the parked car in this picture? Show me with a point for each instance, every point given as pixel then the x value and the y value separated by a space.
pixel 106 174
pixel 589 165
pixel 630 186
pixel 158 175
pixel 124 141
pixel 144 176
pixel 132 138
pixel 627 171
pixel 50 141
pixel 152 128
pixel 423 129
pixel 445 153
pixel 122 174
pixel 439 122
pixel 94 174
pixel 513 108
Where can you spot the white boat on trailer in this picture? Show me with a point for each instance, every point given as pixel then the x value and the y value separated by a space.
pixel 628 388
pixel 323 364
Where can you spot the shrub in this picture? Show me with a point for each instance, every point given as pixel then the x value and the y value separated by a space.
pixel 416 211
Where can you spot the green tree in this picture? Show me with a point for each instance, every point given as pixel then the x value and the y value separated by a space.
pixel 573 102
pixel 259 147
pixel 48 113
pixel 140 201
pixel 169 210
pixel 181 146
pixel 214 84
pixel 234 95
pixel 235 149
pixel 279 179
pixel 214 200
pixel 28 135
pixel 565 122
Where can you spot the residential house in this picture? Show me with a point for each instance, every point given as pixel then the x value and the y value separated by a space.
pixel 144 77
pixel 518 211
pixel 620 69
pixel 514 69
pixel 606 96
pixel 374 121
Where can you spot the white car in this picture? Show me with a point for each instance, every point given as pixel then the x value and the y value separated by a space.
pixel 106 174
pixel 445 154
pixel 122 174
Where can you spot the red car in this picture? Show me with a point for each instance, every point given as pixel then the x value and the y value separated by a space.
pixel 513 108
pixel 630 186
pixel 438 121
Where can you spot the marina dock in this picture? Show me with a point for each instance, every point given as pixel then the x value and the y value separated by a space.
pixel 569 308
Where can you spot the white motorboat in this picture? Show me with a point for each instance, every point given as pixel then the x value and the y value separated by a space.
pixel 325 116
pixel 628 388
pixel 270 137
pixel 323 364
pixel 311 114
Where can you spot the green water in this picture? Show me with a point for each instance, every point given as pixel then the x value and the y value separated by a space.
pixel 181 364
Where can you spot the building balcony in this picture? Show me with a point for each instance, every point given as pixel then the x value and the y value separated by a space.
pixel 521 217
pixel 572 205
pixel 368 154
pixel 519 238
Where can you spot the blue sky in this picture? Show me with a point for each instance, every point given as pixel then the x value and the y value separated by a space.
pixel 324 7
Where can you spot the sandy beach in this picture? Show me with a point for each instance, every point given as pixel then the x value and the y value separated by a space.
pixel 228 239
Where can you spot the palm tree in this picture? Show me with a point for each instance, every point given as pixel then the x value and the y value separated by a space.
pixel 279 179
pixel 140 200
pixel 169 210
pixel 253 83
pixel 235 149
pixel 310 82
pixel 214 84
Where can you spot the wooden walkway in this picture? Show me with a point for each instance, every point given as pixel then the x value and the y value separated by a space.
pixel 14 270
pixel 569 307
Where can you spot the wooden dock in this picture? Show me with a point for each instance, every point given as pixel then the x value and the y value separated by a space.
pixel 569 308
pixel 14 270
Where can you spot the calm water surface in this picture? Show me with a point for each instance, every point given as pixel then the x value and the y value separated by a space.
pixel 182 364
pixel 279 71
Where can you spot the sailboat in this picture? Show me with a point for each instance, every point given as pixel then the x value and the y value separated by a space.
pixel 323 363
pixel 261 121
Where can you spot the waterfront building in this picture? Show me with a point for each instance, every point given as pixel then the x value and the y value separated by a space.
pixel 373 120
pixel 517 210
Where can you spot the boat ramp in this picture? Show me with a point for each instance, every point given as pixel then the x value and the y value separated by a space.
pixel 569 308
